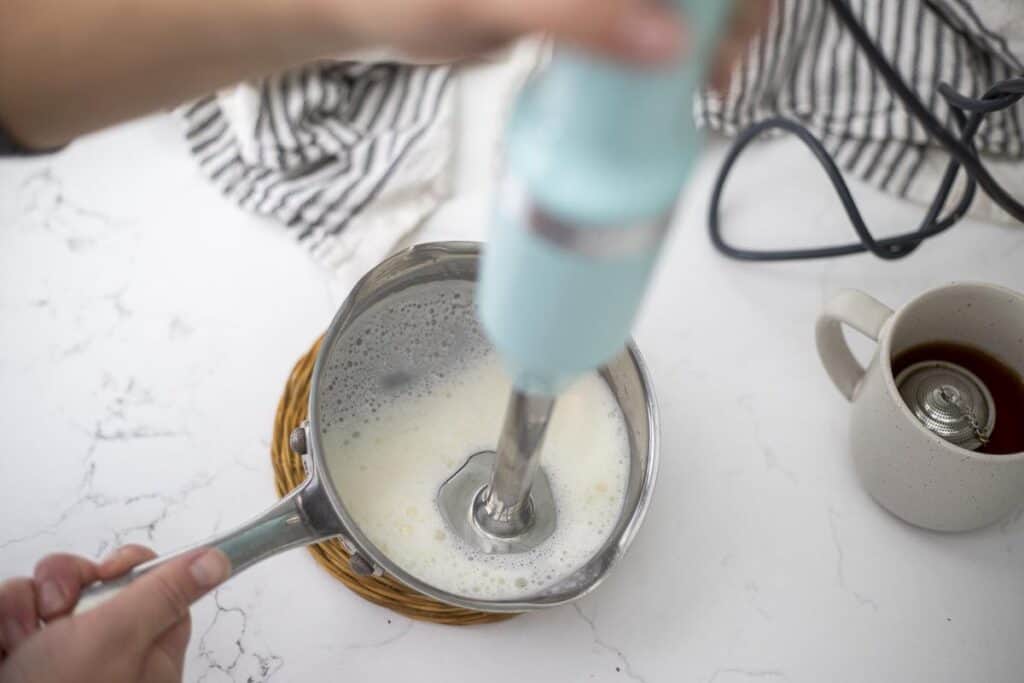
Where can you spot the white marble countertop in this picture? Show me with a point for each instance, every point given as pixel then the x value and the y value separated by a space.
pixel 148 325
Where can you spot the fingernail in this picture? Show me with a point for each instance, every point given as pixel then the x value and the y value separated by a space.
pixel 14 632
pixel 210 568
pixel 51 598
pixel 651 34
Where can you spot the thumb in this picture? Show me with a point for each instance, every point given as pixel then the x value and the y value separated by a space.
pixel 159 599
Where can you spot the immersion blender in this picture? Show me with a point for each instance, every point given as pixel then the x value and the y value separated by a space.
pixel 595 156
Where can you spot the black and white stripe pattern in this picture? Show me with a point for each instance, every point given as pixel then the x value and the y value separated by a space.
pixel 315 146
pixel 807 67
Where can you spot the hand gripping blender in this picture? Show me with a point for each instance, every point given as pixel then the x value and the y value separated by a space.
pixel 595 156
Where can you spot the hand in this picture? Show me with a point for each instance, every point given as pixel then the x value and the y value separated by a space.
pixel 138 636
pixel 630 30
pixel 169 51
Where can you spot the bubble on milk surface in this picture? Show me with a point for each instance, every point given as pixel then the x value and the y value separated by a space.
pixel 420 349
pixel 400 348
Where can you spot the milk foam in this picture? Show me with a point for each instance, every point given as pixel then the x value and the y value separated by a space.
pixel 389 456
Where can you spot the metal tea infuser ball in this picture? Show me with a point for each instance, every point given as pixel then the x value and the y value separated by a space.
pixel 950 401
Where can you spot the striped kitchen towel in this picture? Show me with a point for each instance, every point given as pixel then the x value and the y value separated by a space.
pixel 807 67
pixel 346 154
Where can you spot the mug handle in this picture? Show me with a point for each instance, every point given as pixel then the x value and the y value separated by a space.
pixel 861 312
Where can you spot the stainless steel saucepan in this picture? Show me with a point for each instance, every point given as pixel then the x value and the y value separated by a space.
pixel 315 511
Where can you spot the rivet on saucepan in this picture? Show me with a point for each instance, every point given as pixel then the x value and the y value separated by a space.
pixel 361 566
pixel 297 441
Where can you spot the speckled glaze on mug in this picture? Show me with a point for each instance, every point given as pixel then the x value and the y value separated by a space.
pixel 915 474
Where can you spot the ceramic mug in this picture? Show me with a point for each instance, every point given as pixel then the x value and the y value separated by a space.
pixel 914 473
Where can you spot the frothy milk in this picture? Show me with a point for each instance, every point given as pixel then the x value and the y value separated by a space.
pixel 389 463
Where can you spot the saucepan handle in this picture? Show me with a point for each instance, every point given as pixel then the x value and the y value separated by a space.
pixel 861 312
pixel 302 517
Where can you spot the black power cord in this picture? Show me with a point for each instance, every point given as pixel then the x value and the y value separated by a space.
pixel 968 114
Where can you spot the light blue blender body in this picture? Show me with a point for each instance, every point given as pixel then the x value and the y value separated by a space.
pixel 596 154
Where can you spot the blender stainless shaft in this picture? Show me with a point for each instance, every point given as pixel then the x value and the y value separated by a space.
pixel 504 508
pixel 501 502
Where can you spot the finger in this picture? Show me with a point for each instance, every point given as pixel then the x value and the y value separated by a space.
pixel 750 18
pixel 121 560
pixel 748 21
pixel 636 30
pixel 729 56
pixel 18 616
pixel 174 641
pixel 157 600
pixel 168 651
pixel 58 580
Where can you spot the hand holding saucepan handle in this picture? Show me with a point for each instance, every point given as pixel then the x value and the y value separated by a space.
pixel 291 522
